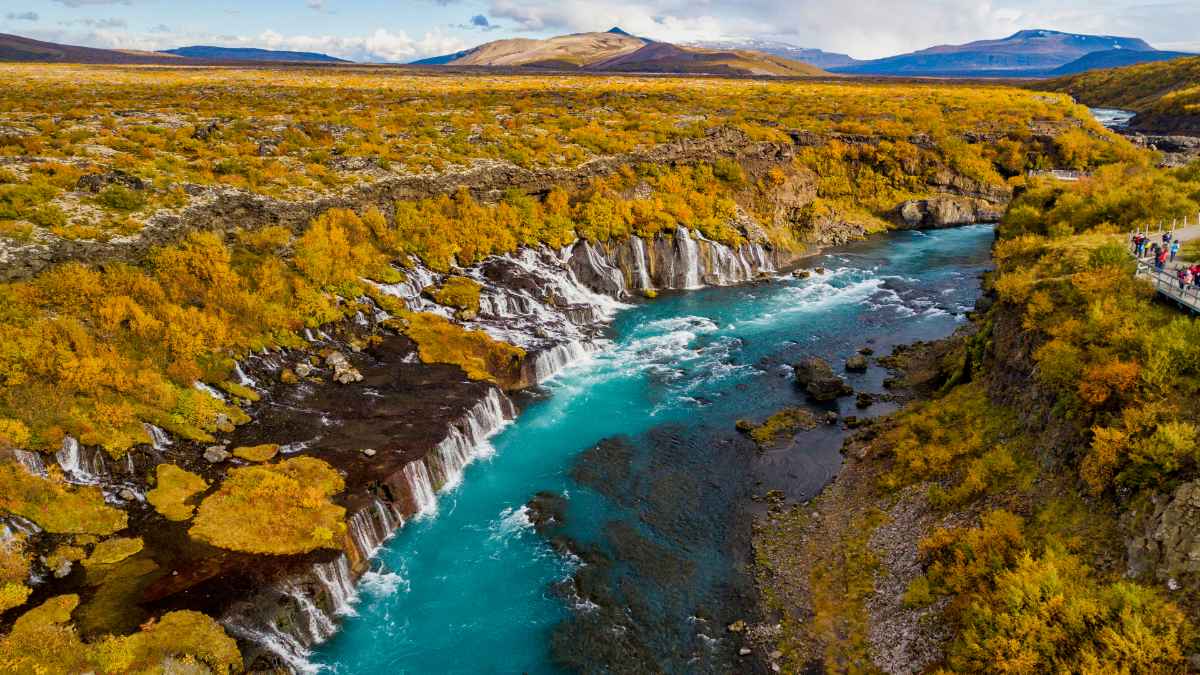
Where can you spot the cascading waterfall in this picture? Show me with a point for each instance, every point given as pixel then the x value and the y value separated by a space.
pixel 159 439
pixel 80 465
pixel 244 379
pixel 550 302
pixel 338 581
pixel 690 254
pixel 32 461
pixel 209 390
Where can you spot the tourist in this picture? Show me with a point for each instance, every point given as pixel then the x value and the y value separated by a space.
pixel 1174 249
pixel 1160 259
pixel 1182 274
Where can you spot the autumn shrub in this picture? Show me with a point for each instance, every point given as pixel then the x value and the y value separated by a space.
pixel 173 489
pixel 56 507
pixel 114 550
pixel 278 509
pixel 457 292
pixel 43 640
pixel 478 354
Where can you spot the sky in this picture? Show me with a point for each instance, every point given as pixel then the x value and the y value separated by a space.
pixel 404 30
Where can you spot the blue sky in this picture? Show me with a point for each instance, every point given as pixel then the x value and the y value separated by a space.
pixel 403 30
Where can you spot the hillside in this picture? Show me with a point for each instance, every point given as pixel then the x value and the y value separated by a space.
pixel 17 48
pixel 1166 95
pixel 1023 53
pixel 249 54
pixel 617 51
pixel 813 57
pixel 1113 58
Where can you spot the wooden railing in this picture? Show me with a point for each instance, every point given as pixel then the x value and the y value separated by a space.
pixel 1166 282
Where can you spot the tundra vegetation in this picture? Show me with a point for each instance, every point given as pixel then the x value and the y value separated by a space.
pixel 96 350
pixel 1165 94
pixel 1065 413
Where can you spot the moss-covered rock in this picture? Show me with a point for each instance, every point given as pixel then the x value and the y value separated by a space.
pixel 279 509
pixel 257 453
pixel 55 506
pixel 175 487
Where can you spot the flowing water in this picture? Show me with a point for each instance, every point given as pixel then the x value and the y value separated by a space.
pixel 639 438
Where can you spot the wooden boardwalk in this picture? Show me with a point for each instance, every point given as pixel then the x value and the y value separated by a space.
pixel 1166 281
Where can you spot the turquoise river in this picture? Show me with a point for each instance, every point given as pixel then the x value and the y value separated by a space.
pixel 637 447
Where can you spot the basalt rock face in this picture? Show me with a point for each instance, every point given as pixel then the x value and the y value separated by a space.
pixel 423 423
pixel 946 211
pixel 1168 546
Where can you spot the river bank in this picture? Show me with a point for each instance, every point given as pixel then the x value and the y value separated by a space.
pixel 657 486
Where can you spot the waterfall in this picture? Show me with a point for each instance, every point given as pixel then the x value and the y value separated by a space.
pixel 640 267
pixel 159 439
pixel 32 462
pixel 370 528
pixel 242 378
pixel 201 386
pixel 420 487
pixel 339 584
pixel 689 250
pixel 548 363
pixel 80 465
pixel 281 644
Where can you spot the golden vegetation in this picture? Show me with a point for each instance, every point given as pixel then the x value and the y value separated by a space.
pixel 1166 94
pixel 44 641
pixel 276 509
pixel 479 355
pixel 55 506
pixel 14 572
pixel 257 453
pixel 173 489
pixel 457 292
pixel 786 422
pixel 295 133
pixel 111 551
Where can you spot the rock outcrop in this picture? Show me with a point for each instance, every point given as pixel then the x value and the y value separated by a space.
pixel 1169 546
pixel 817 378
pixel 946 211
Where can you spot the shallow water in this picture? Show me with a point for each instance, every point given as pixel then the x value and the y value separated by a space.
pixel 1112 117
pixel 664 498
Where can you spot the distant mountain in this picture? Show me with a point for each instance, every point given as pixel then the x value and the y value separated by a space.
pixel 1025 53
pixel 17 48
pixel 210 53
pixel 1113 58
pixel 618 51
pixel 814 57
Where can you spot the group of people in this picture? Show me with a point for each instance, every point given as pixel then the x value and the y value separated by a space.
pixel 1144 246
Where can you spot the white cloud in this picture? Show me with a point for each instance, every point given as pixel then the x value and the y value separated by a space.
pixel 21 16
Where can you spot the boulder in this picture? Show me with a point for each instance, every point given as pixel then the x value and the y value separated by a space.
pixel 303 369
pixel 864 400
pixel 343 372
pixel 95 182
pixel 817 378
pixel 215 454
pixel 857 363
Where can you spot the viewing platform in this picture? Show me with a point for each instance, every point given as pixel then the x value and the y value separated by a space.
pixel 1166 280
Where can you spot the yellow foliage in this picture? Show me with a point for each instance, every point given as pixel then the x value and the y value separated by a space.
pixel 457 292
pixel 481 357
pixel 278 509
pixel 56 507
pixel 172 490
pixel 257 453
pixel 115 550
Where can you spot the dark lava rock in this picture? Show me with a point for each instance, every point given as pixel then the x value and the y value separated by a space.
pixel 818 379
pixel 857 364
pixel 864 400
pixel 202 133
pixel 95 182
pixel 831 417
pixel 866 351
pixel 802 274
pixel 547 511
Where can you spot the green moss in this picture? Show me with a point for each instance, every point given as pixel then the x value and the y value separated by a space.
pixel 275 509
pixel 174 488
pixel 56 507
